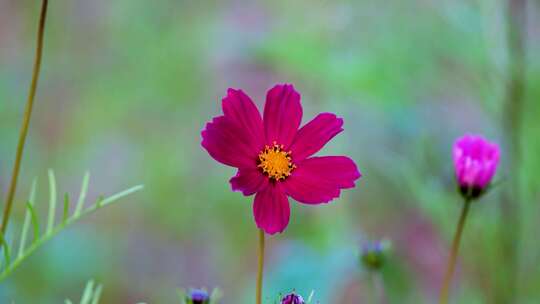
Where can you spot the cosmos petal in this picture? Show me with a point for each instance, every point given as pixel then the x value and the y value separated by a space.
pixel 249 181
pixel 282 114
pixel 229 144
pixel 315 134
pixel 271 209
pixel 319 179
pixel 241 110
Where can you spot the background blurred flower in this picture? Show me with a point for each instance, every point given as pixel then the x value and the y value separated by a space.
pixel 197 296
pixel 373 254
pixel 475 161
pixel 273 155
pixel 292 298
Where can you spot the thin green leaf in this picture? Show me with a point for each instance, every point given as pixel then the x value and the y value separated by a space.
pixel 97 294
pixel 87 294
pixel 34 220
pixel 27 218
pixel 82 195
pixel 119 195
pixel 67 301
pixel 66 208
pixel 52 201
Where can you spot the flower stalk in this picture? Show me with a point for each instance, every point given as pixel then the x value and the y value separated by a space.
pixel 454 252
pixel 260 268
pixel 26 120
pixel 378 287
pixel 513 109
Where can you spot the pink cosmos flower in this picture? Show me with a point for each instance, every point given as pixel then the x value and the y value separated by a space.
pixel 475 162
pixel 274 157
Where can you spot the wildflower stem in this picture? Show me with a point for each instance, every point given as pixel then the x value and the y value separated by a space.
pixel 26 119
pixel 260 268
pixel 453 253
pixel 513 109
pixel 378 286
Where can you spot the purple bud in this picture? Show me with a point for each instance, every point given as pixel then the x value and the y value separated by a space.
pixel 198 296
pixel 292 298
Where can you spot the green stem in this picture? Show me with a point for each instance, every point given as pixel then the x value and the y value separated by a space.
pixel 26 119
pixel 260 268
pixel 513 111
pixel 453 253
pixel 378 287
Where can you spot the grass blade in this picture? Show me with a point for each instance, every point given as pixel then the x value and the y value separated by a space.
pixel 97 294
pixel 52 201
pixel 87 294
pixel 82 195
pixel 27 218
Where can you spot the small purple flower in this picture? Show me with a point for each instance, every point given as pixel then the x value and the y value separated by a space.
pixel 197 296
pixel 475 162
pixel 292 298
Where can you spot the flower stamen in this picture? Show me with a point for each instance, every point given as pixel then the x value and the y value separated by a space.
pixel 275 162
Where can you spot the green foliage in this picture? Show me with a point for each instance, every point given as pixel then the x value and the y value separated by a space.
pixel 10 262
pixel 91 294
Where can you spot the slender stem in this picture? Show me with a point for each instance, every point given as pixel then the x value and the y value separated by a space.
pixel 513 109
pixel 378 286
pixel 260 267
pixel 26 119
pixel 453 253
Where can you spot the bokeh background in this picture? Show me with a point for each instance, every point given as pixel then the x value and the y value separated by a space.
pixel 127 85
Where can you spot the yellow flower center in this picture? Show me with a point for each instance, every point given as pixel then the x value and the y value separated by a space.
pixel 275 163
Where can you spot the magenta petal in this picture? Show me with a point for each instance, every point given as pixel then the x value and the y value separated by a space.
pixel 319 179
pixel 241 110
pixel 475 161
pixel 282 114
pixel 315 134
pixel 229 144
pixel 249 181
pixel 271 209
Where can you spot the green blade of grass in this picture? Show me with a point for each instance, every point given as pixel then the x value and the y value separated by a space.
pixel 87 294
pixel 97 294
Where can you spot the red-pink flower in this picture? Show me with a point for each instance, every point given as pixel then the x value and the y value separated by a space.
pixel 274 156
pixel 475 162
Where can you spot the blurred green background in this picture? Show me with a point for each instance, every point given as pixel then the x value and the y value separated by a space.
pixel 127 85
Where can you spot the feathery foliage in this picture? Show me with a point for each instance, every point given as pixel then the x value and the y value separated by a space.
pixel 11 260
pixel 91 294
